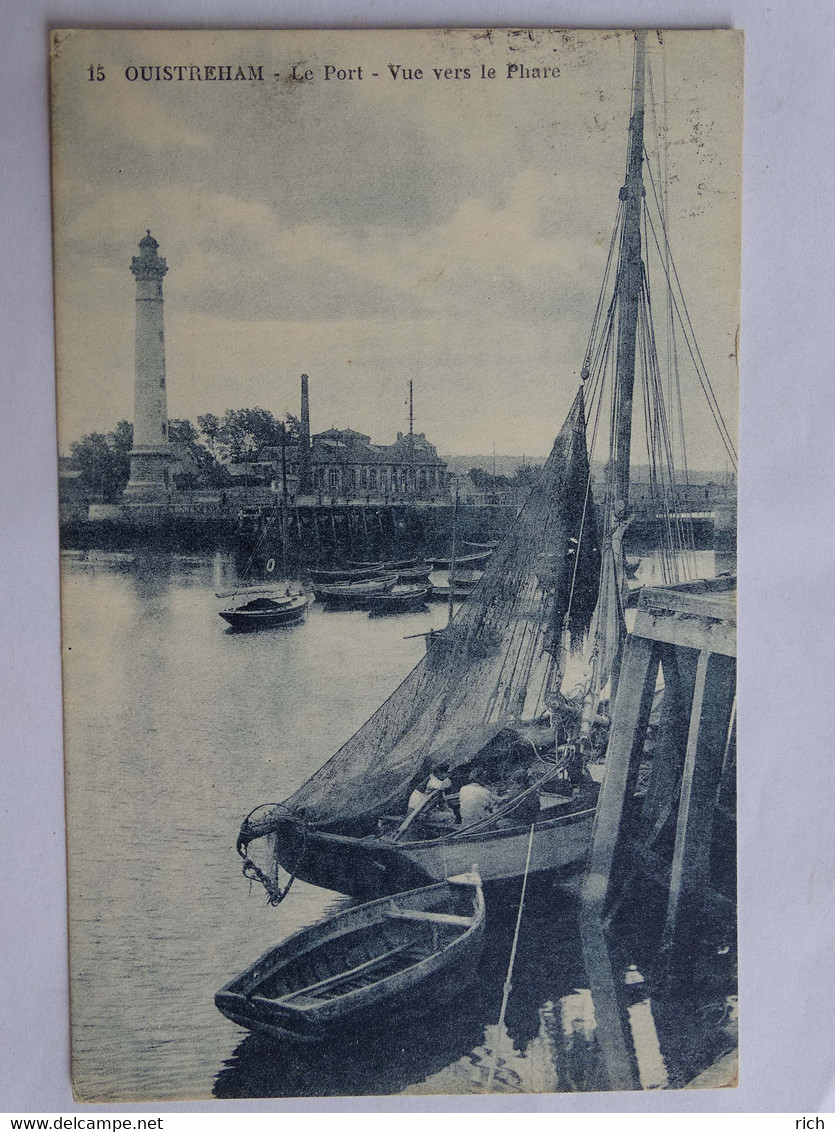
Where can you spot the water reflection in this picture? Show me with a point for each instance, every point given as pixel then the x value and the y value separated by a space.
pixel 582 1016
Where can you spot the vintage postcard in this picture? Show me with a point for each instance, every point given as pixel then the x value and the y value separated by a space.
pixel 397 394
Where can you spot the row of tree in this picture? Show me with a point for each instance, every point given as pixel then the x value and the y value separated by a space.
pixel 103 459
pixel 523 480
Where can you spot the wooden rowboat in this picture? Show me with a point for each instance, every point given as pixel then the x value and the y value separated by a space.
pixel 407 570
pixel 346 575
pixel 352 593
pixel 386 567
pixel 402 599
pixel 414 574
pixel 441 593
pixel 462 560
pixel 466 579
pixel 396 954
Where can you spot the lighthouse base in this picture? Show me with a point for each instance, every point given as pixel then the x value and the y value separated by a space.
pixel 150 476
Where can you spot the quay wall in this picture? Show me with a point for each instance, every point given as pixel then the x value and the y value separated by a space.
pixel 315 534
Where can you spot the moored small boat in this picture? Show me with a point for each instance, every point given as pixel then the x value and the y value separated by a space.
pixel 387 567
pixel 414 574
pixel 396 954
pixel 441 593
pixel 349 574
pixel 407 569
pixel 266 612
pixel 461 560
pixel 352 593
pixel 401 599
pixel 466 579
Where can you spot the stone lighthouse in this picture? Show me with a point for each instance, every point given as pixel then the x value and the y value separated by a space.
pixel 150 457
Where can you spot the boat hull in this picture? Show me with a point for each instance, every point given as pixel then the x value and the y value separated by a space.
pixel 368 867
pixel 243 622
pixel 395 602
pixel 386 958
pixel 450 979
pixel 353 595
pixel 462 560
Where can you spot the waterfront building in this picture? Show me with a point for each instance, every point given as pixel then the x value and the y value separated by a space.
pixel 345 465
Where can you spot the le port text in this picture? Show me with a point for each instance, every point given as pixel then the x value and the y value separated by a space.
pixel 331 72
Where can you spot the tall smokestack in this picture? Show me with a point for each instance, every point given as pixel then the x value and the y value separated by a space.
pixel 305 485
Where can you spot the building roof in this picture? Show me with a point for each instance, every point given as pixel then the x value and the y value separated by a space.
pixel 345 445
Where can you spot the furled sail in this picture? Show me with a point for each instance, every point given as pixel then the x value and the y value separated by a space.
pixel 491 663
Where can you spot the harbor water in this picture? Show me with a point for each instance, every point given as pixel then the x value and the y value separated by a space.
pixel 175 729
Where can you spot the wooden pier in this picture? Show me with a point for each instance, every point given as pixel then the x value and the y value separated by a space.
pixel 687 635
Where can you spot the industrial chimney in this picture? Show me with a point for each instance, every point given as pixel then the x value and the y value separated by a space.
pixel 305 484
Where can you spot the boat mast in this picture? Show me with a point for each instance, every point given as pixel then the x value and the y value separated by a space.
pixel 629 284
pixel 283 500
pixel 451 611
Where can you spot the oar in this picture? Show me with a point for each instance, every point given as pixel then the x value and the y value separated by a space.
pixel 414 813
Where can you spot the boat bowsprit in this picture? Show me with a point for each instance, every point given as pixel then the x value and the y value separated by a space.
pixel 396 955
pixel 266 612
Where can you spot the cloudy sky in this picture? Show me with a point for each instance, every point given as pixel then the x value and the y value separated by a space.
pixel 371 231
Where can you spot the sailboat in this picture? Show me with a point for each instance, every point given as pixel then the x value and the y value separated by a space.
pixel 486 705
pixel 266 607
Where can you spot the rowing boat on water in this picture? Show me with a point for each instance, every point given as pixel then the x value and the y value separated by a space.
pixel 386 567
pixel 352 593
pixel 466 559
pixel 402 599
pixel 358 574
pixel 396 954
pixel 266 612
pixel 466 579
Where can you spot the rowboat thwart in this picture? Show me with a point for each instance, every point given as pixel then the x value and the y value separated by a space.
pixel 399 953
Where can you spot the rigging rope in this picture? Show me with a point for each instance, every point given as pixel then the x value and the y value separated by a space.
pixel 689 338
pixel 508 985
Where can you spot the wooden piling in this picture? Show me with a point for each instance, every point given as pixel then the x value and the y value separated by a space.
pixel 690 631
pixel 710 718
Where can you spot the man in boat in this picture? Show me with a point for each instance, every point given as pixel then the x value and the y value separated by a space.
pixel 475 801
pixel 433 787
